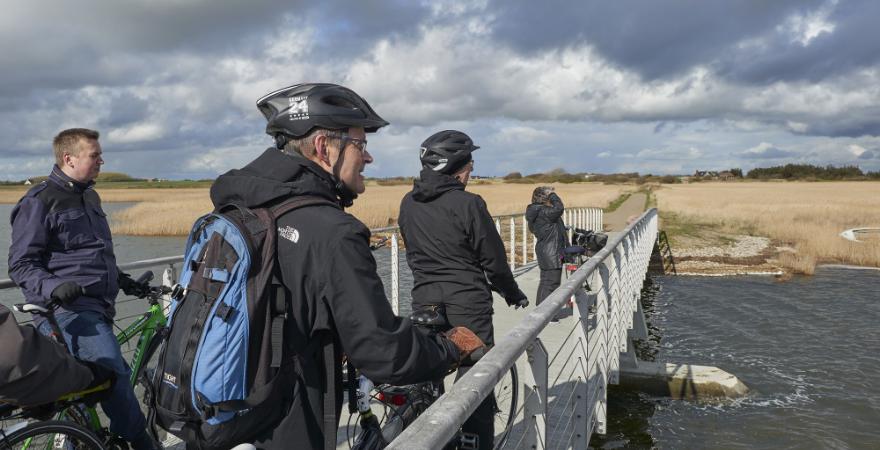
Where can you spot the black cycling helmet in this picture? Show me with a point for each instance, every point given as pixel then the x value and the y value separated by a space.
pixel 447 151
pixel 294 111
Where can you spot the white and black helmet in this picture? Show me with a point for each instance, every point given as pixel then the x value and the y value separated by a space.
pixel 446 151
pixel 296 110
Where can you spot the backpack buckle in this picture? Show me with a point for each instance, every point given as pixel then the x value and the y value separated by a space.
pixel 224 311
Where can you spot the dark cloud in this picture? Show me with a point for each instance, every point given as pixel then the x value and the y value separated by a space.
pixel 654 39
pixel 868 154
pixel 853 44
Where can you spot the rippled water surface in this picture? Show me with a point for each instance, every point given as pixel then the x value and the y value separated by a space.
pixel 807 348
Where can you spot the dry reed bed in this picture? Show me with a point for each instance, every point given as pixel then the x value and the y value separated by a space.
pixel 168 212
pixel 807 216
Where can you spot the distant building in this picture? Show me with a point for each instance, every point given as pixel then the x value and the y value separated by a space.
pixel 726 176
pixel 28 182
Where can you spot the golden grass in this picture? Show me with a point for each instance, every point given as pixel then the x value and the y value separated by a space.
pixel 807 216
pixel 172 212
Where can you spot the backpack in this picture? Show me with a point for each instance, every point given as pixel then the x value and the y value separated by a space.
pixel 225 373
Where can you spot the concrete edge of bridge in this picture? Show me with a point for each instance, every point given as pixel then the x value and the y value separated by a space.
pixel 682 381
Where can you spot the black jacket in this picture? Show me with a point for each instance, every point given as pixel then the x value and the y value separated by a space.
pixel 451 241
pixel 545 222
pixel 331 274
pixel 33 368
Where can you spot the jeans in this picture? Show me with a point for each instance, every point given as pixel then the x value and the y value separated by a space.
pixel 90 337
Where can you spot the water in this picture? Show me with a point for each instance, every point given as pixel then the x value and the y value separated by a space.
pixel 806 348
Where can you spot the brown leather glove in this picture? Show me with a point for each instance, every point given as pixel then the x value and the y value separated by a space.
pixel 466 341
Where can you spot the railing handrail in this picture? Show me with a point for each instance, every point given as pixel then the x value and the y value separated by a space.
pixel 443 418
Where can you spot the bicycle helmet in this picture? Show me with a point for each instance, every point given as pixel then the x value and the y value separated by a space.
pixel 295 111
pixel 447 151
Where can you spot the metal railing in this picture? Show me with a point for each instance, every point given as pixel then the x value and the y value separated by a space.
pixel 606 291
pixel 519 243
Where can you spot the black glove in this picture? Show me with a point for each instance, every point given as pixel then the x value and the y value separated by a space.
pixel 518 301
pixel 131 287
pixel 100 375
pixel 67 292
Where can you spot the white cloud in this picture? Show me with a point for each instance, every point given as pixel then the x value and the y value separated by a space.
pixel 804 28
pixel 856 150
pixel 142 132
pixel 520 134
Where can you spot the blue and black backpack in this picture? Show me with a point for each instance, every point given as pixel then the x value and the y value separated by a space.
pixel 225 372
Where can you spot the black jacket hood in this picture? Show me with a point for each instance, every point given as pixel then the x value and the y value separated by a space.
pixel 272 176
pixel 431 185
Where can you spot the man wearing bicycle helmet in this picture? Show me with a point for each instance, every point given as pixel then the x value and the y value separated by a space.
pixel 62 249
pixel 335 295
pixel 452 246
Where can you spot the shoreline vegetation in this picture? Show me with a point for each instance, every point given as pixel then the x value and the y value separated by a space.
pixel 770 228
pixel 715 228
pixel 171 212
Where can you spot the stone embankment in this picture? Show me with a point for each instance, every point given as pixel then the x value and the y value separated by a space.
pixel 745 255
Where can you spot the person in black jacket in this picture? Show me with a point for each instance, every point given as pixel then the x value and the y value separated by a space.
pixel 325 261
pixel 544 217
pixel 452 246
pixel 35 370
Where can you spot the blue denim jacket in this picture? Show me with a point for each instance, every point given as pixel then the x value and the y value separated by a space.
pixel 60 233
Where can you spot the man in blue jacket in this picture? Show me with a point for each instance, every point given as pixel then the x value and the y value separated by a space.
pixel 62 248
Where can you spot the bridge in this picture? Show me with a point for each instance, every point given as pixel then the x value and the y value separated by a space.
pixel 565 367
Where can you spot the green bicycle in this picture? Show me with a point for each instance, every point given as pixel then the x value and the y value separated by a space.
pixel 150 330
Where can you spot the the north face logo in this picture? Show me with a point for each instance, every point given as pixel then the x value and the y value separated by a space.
pixel 289 233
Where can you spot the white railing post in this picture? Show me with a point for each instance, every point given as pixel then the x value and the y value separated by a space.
pixel 395 275
pixel 169 279
pixel 535 395
pixel 570 223
pixel 525 240
pixel 535 247
pixel 512 243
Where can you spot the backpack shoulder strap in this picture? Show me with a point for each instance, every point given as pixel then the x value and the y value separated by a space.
pixel 298 202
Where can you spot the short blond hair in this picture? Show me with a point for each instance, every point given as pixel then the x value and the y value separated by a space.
pixel 68 141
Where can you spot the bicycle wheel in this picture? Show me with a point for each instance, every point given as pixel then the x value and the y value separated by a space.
pixel 505 406
pixel 52 434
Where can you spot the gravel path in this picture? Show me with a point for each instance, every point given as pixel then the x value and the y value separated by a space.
pixel 633 207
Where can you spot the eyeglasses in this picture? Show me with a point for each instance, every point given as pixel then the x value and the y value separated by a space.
pixel 360 144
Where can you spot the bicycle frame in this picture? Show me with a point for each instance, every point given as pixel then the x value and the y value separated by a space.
pixel 145 328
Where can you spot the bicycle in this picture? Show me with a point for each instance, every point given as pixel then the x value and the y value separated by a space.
pixel 52 434
pixel 399 406
pixel 24 434
pixel 150 330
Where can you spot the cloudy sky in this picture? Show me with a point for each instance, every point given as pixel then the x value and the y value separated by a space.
pixel 602 86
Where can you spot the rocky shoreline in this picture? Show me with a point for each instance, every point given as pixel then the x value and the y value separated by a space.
pixel 745 255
